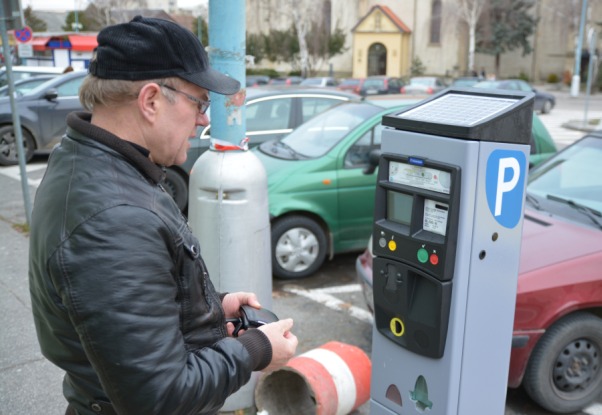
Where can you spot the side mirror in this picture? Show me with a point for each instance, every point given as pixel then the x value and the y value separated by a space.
pixel 51 94
pixel 373 161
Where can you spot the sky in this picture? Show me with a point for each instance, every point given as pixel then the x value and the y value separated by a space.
pixel 70 4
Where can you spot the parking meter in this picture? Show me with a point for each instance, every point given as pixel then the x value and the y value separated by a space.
pixel 446 241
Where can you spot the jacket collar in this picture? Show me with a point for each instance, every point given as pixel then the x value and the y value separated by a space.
pixel 78 123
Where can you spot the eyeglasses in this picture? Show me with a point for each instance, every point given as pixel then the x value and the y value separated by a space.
pixel 201 105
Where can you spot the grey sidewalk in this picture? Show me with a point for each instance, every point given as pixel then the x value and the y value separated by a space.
pixel 29 384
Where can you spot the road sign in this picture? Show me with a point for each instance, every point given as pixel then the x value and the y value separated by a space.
pixel 25 50
pixel 506 171
pixel 24 35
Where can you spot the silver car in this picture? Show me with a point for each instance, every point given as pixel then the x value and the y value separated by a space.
pixel 424 85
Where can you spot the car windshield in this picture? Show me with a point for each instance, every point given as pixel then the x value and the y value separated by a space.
pixel 321 133
pixel 570 180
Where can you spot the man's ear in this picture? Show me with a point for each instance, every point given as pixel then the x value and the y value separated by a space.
pixel 149 100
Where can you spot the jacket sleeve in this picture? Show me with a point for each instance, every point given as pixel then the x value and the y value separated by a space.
pixel 116 273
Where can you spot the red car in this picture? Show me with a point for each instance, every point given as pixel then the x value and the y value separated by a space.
pixel 557 341
pixel 351 85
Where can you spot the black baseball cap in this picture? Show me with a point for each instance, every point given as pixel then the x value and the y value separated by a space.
pixel 150 48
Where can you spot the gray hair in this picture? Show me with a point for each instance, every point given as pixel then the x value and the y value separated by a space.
pixel 107 92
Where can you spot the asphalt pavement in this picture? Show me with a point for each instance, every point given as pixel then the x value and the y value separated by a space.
pixel 31 385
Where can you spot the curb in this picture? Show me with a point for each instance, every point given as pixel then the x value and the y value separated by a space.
pixel 579 126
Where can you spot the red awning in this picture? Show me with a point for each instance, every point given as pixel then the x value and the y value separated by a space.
pixel 39 43
pixel 83 43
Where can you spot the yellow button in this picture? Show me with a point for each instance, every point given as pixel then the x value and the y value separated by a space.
pixel 397 327
pixel 392 245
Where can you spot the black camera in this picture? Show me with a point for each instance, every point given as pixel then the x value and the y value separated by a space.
pixel 251 318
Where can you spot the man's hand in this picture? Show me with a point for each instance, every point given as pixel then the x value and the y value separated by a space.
pixel 284 343
pixel 232 303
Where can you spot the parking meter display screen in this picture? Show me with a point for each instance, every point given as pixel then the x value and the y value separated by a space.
pixel 419 176
pixel 458 109
pixel 399 207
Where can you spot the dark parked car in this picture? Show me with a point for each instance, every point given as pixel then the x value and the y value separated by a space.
pixel 256 80
pixel 286 80
pixel 557 341
pixel 271 112
pixel 424 85
pixel 379 85
pixel 544 101
pixel 42 114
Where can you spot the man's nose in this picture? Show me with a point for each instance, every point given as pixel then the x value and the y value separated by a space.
pixel 202 120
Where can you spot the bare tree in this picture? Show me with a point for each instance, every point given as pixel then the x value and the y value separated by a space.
pixel 470 11
pixel 107 12
pixel 302 14
pixel 302 26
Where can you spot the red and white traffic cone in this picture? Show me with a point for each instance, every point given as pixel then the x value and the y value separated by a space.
pixel 333 379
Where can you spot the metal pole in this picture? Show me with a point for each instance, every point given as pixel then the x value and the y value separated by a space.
pixel 22 15
pixel 16 119
pixel 199 29
pixel 76 16
pixel 227 55
pixel 228 200
pixel 577 75
pixel 590 71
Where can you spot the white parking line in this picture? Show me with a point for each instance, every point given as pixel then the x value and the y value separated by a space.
pixel 14 172
pixel 324 297
pixel 595 409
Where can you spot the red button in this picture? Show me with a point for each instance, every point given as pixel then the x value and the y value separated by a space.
pixel 434 259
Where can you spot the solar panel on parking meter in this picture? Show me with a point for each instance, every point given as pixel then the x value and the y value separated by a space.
pixel 448 223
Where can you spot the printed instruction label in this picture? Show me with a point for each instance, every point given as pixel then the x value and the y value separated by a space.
pixel 435 216
pixel 421 177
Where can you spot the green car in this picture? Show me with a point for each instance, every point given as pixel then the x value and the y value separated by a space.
pixel 321 184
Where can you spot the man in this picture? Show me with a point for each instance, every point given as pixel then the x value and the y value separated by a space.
pixel 120 294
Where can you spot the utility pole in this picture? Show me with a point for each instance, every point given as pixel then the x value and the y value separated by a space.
pixel 228 200
pixel 8 9
pixel 576 81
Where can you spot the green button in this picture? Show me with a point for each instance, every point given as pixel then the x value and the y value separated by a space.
pixel 422 255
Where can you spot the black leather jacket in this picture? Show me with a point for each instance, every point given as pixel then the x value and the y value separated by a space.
pixel 120 295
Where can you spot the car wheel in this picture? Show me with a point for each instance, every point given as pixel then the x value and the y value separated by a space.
pixel 298 247
pixel 177 186
pixel 547 107
pixel 564 373
pixel 8 146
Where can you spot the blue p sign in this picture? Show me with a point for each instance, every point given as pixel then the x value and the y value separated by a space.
pixel 504 184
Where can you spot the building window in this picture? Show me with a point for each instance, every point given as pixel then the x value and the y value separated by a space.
pixel 436 22
pixel 377 21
